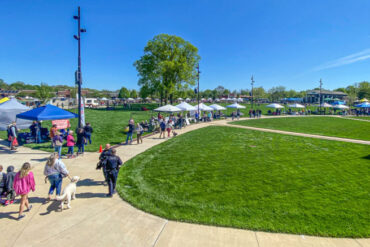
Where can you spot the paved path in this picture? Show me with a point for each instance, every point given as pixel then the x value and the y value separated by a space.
pixel 293 133
pixel 98 221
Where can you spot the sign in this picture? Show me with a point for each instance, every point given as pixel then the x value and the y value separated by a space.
pixel 61 124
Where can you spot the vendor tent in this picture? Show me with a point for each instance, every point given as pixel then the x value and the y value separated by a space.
pixel 364 105
pixel 3 100
pixel 217 107
pixel 47 112
pixel 168 108
pixel 275 105
pixel 296 106
pixel 340 107
pixel 203 107
pixel 186 107
pixel 8 111
pixel 236 106
pixel 325 105
pixel 364 100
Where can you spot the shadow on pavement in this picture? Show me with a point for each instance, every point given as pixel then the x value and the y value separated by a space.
pixel 54 206
pixel 87 195
pixel 9 215
pixel 89 182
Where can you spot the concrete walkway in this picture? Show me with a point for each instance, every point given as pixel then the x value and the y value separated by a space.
pixel 98 221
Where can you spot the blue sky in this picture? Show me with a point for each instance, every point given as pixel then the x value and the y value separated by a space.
pixel 289 43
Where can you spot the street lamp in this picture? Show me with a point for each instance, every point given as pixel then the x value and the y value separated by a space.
pixel 78 76
pixel 320 94
pixel 252 83
pixel 198 75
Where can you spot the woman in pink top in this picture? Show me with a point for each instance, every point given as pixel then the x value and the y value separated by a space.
pixel 70 144
pixel 24 182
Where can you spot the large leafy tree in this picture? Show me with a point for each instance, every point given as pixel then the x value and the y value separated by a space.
pixel 169 62
pixel 133 94
pixel 124 93
pixel 44 92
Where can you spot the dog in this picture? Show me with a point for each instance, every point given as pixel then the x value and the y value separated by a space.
pixel 69 193
pixel 174 133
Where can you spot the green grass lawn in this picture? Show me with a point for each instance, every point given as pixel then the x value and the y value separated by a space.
pixel 108 127
pixel 327 126
pixel 249 179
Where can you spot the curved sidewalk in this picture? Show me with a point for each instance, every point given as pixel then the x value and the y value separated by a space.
pixel 98 221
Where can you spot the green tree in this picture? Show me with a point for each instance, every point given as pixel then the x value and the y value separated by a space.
pixel 3 84
pixel 363 90
pixel 133 94
pixel 124 93
pixel 44 92
pixel 168 63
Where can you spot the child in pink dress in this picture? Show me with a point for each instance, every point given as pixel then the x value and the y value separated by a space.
pixel 24 182
pixel 70 144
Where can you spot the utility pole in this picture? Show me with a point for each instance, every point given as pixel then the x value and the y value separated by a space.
pixel 198 75
pixel 78 76
pixel 252 83
pixel 320 94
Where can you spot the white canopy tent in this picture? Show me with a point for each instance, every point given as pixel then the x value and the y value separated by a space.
pixel 130 99
pixel 186 107
pixel 296 105
pixel 325 105
pixel 275 106
pixel 240 100
pixel 8 113
pixel 180 99
pixel 341 107
pixel 217 107
pixel 187 99
pixel 168 108
pixel 236 106
pixel 203 107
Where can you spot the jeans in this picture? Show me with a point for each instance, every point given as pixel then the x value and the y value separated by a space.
pixel 70 150
pixel 58 149
pixel 112 179
pixel 55 183
pixel 129 136
pixel 81 148
pixel 88 137
pixel 38 136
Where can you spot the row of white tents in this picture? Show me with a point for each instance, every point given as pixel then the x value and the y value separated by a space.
pixel 183 106
pixel 324 105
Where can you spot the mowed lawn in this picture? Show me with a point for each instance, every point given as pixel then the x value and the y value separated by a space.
pixel 108 128
pixel 255 180
pixel 327 126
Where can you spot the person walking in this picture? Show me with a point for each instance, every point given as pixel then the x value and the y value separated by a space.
pixel 139 133
pixel 169 128
pixel 10 193
pixel 58 143
pixel 131 127
pixel 55 171
pixel 238 114
pixel 13 133
pixel 2 181
pixel 70 144
pixel 112 167
pixel 24 182
pixel 80 141
pixel 88 132
pixel 103 159
pixel 162 129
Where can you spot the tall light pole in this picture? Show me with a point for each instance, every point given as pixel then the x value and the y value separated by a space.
pixel 198 75
pixel 320 94
pixel 78 76
pixel 252 83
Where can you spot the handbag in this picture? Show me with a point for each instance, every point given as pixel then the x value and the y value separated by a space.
pixel 58 143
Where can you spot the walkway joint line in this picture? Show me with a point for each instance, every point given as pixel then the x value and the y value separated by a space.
pixel 156 240
pixel 358 243
pixel 258 243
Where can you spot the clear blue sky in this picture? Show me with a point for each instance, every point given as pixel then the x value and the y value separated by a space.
pixel 290 43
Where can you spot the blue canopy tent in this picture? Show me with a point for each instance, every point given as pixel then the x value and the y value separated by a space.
pixel 363 105
pixel 48 112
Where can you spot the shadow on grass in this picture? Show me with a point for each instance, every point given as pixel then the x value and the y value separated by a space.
pixel 367 157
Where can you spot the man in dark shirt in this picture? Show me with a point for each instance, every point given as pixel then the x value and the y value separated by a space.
pixel 103 159
pixel 112 167
pixel 88 131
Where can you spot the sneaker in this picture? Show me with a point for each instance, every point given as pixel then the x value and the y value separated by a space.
pixel 12 201
pixel 109 195
pixel 29 209
pixel 6 203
